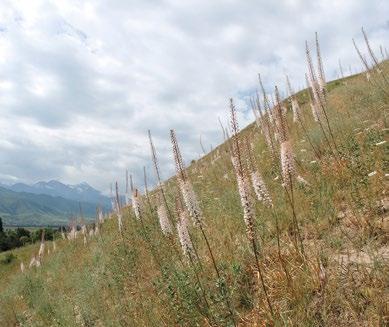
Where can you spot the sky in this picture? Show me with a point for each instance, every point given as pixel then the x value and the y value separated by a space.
pixel 81 82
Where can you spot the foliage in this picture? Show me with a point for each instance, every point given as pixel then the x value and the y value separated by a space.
pixel 14 238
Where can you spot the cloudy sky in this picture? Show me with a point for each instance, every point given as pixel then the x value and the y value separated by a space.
pixel 81 82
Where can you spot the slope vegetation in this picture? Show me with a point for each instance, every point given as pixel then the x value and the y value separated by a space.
pixel 330 271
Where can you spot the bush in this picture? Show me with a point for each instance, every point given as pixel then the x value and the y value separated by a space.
pixel 8 258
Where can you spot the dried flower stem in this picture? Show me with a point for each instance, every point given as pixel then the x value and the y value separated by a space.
pixel 194 210
pixel 158 176
pixel 147 191
pixel 318 88
pixel 241 176
pixel 282 261
pixel 287 167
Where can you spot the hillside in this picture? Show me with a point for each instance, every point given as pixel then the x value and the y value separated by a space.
pixel 28 209
pixel 322 256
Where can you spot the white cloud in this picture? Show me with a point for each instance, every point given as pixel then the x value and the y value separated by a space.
pixel 81 82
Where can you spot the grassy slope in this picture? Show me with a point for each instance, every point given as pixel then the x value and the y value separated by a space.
pixel 138 280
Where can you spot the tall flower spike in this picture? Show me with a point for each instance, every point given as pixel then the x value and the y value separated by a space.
pixel 258 121
pixel 256 179
pixel 180 167
pixel 120 222
pixel 187 191
pixel 246 205
pixel 83 231
pixel 164 222
pixel 287 157
pixel 372 55
pixel 281 119
pixel 287 163
pixel 260 189
pixel 363 59
pixel 41 250
pixel 321 79
pixel 236 148
pixel 241 176
pixel 117 199
pixel 100 216
pixel 128 197
pixel 317 90
pixel 265 124
pixel 314 106
pixel 32 262
pixel 191 202
pixel 155 160
pixel 145 182
pixel 294 102
pixel 266 103
pixel 113 201
pixel 117 205
pixel 136 204
pixel 42 246
pixel 183 234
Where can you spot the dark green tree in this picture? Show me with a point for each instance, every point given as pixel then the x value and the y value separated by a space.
pixel 1 226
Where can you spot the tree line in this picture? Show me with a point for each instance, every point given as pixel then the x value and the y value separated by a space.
pixel 14 238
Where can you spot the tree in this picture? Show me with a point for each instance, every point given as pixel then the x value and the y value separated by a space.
pixel 20 232
pixel 1 226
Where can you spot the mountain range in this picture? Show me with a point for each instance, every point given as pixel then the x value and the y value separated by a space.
pixel 48 203
pixel 79 192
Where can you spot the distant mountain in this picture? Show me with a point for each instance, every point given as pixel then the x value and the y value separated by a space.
pixel 81 192
pixel 28 209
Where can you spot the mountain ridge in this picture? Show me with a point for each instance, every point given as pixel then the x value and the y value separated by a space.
pixel 29 209
pixel 79 192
